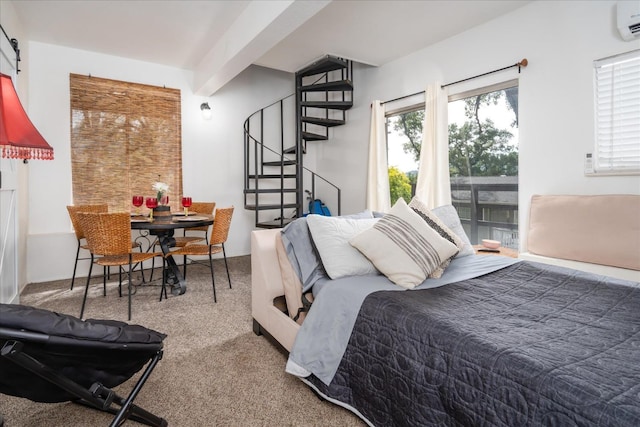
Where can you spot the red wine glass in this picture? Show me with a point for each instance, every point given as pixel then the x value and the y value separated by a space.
pixel 151 203
pixel 137 202
pixel 186 203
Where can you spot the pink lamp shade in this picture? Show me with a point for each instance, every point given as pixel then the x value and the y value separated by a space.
pixel 19 138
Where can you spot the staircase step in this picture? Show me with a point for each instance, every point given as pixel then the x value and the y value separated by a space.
pixel 270 190
pixel 270 207
pixel 308 136
pixel 339 85
pixel 323 65
pixel 290 150
pixel 333 105
pixel 278 163
pixel 273 176
pixel 322 121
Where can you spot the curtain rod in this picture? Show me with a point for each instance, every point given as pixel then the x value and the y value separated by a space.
pixel 520 64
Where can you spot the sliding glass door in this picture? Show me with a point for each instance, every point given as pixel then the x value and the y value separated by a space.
pixel 483 159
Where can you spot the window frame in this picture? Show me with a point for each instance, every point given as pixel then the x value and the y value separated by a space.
pixel 603 95
pixel 414 104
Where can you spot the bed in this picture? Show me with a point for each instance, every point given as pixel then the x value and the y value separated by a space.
pixel 487 341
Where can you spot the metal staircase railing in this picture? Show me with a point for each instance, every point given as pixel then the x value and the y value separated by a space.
pixel 266 175
pixel 274 182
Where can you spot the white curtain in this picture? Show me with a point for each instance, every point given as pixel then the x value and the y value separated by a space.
pixel 378 198
pixel 434 186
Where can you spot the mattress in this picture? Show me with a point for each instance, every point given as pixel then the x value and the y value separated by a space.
pixel 527 344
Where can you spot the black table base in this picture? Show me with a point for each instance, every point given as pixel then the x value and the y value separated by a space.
pixel 171 274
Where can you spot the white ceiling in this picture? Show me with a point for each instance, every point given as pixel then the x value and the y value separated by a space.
pixel 218 39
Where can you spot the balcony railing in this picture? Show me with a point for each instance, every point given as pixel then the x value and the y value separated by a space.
pixel 488 208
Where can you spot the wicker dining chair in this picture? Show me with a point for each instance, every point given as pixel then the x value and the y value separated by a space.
pixel 77 228
pixel 219 235
pixel 73 215
pixel 108 236
pixel 197 208
pixel 181 241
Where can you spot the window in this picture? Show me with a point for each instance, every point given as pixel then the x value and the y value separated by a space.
pixel 617 105
pixel 124 137
pixel 483 162
pixel 404 139
pixel 483 159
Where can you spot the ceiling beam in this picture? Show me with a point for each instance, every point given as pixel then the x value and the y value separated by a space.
pixel 261 26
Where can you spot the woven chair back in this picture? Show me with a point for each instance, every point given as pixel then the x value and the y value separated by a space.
pixel 107 233
pixel 202 208
pixel 73 214
pixel 221 224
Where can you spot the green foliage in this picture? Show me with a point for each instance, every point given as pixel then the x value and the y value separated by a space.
pixel 399 185
pixel 481 150
pixel 477 148
pixel 413 177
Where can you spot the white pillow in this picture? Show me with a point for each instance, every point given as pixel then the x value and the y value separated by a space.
pixel 403 246
pixel 449 216
pixel 331 237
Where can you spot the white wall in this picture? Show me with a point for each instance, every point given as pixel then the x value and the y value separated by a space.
pixel 212 150
pixel 560 39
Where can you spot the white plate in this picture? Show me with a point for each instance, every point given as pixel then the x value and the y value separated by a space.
pixel 191 218
pixel 139 219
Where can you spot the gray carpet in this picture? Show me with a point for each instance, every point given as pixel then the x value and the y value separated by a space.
pixel 215 370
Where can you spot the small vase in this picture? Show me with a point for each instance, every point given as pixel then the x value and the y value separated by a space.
pixel 162 214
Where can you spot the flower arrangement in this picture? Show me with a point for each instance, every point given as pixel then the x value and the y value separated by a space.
pixel 161 189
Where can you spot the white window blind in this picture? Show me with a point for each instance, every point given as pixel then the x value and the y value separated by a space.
pixel 617 93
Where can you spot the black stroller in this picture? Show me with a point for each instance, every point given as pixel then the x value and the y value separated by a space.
pixel 50 357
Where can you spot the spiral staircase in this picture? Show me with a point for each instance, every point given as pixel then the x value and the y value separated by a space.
pixel 277 185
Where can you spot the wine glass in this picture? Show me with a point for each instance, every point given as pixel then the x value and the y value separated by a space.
pixel 151 203
pixel 137 202
pixel 186 203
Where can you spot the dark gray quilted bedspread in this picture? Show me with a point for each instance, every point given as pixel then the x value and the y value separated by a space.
pixel 529 345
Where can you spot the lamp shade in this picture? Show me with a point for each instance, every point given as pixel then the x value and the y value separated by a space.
pixel 19 138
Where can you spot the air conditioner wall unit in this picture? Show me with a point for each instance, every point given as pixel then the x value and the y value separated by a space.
pixel 629 19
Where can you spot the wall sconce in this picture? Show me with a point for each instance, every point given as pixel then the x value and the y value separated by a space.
pixel 206 111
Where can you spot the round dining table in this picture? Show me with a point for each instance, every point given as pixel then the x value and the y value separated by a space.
pixel 164 232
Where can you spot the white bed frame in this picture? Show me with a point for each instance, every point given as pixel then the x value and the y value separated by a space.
pixel 267 291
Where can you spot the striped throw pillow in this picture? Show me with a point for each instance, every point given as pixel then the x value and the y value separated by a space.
pixel 434 222
pixel 403 247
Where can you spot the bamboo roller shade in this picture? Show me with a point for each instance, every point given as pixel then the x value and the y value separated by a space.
pixel 124 138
